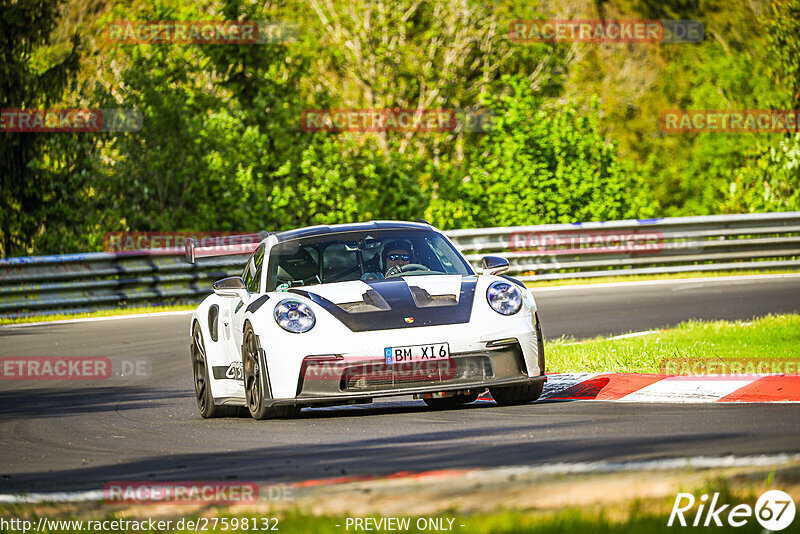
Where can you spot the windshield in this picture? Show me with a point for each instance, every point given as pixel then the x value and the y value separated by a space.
pixel 370 255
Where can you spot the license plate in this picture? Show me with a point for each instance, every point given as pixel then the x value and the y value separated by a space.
pixel 417 353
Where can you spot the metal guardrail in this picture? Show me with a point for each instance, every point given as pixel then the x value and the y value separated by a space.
pixel 81 282
pixel 644 246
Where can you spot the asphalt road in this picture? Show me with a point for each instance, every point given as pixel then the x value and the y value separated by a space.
pixel 588 311
pixel 81 435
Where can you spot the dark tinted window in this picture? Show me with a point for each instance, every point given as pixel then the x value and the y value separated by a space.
pixel 347 256
pixel 252 272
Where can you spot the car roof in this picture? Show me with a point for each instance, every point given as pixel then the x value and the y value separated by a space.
pixel 311 231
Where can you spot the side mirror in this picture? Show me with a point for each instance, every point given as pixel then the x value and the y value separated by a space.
pixel 230 287
pixel 494 265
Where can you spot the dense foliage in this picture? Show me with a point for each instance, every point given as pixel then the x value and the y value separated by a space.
pixel 574 134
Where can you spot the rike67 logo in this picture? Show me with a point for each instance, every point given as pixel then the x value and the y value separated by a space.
pixel 774 510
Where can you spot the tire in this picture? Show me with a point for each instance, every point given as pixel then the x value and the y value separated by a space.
pixel 256 381
pixel 540 337
pixel 448 403
pixel 525 393
pixel 202 387
pixel 512 395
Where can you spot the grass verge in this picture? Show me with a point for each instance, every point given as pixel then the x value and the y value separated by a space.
pixel 567 522
pixel 99 313
pixel 767 338
pixel 627 515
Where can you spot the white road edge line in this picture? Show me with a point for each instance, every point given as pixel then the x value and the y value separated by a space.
pixel 665 464
pixel 720 279
pixel 105 318
pixel 59 496
pixel 624 336
pixel 637 334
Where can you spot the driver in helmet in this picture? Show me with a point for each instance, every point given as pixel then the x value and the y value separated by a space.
pixel 396 254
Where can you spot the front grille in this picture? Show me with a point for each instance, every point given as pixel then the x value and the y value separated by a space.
pixel 375 377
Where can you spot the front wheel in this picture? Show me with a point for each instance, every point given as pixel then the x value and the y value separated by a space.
pixel 512 395
pixel 256 381
pixel 202 387
pixel 454 401
pixel 525 393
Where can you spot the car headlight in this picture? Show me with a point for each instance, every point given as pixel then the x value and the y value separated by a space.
pixel 504 297
pixel 294 316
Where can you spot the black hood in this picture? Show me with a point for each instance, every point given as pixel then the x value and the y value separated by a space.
pixel 393 303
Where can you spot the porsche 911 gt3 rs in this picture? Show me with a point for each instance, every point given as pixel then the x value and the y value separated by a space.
pixel 344 314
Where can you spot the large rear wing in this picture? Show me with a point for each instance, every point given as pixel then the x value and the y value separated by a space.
pixel 229 245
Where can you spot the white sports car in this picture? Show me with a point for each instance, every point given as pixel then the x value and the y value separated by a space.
pixel 331 315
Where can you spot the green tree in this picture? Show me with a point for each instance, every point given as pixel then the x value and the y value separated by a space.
pixel 690 173
pixel 541 164
pixel 222 148
pixel 770 178
pixel 39 183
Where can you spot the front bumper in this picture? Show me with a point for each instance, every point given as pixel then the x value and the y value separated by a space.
pixel 341 382
pixel 288 354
